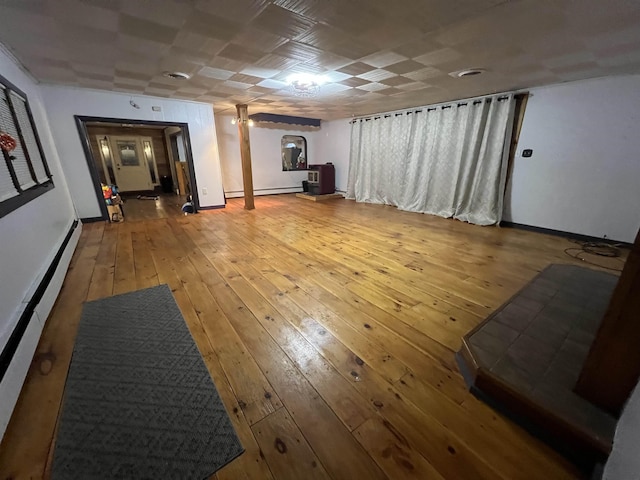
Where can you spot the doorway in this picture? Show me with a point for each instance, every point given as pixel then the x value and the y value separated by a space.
pixel 134 165
pixel 138 158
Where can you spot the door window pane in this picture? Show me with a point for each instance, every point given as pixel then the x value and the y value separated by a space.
pixel 128 154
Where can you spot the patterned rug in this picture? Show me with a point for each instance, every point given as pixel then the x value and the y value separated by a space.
pixel 139 401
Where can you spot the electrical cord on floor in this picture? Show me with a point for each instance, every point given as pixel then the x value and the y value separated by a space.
pixel 599 249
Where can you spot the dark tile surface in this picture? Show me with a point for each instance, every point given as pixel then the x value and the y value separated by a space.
pixel 503 332
pixel 487 359
pixel 531 355
pixel 489 343
pixel 538 341
pixel 511 373
pixel 515 316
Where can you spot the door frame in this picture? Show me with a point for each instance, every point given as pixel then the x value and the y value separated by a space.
pixel 143 138
pixel 81 124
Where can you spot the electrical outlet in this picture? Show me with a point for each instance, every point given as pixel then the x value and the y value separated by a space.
pixel 204 191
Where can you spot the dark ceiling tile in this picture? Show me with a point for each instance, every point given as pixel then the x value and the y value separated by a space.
pixel 225 63
pixel 417 48
pixel 322 36
pixel 136 27
pixel 356 68
pixel 354 82
pixel 94 76
pixel 297 51
pixel 276 62
pixel 282 22
pixel 212 26
pixel 395 81
pixel 127 86
pixel 259 39
pixel 389 91
pixel 162 86
pixel 240 53
pixel 404 67
pixel 241 77
pixel 232 9
pixel 134 75
pixel 354 49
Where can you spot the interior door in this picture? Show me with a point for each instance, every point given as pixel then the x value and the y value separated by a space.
pixel 132 170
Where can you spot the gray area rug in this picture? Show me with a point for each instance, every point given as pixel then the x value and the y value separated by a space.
pixel 139 401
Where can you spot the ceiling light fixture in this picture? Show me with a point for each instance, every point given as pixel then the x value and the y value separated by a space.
pixel 469 72
pixel 305 84
pixel 177 75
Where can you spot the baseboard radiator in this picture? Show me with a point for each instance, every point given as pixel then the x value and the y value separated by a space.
pixel 16 355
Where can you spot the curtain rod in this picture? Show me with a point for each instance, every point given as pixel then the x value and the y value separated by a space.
pixel 443 106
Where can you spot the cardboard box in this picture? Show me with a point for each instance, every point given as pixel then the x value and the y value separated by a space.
pixel 115 214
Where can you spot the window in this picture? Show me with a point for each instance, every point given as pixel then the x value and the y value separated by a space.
pixel 24 174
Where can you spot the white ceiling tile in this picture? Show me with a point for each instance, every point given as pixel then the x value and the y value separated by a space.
pixel 376 75
pixel 372 87
pixel 216 73
pixel 269 83
pixel 382 59
pixel 336 76
pixel 375 56
pixel 260 72
pixel 437 57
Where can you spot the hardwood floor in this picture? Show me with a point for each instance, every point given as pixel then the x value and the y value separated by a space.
pixel 166 206
pixel 329 330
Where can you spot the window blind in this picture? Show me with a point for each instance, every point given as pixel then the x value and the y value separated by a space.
pixel 24 174
pixel 7 189
pixel 19 159
pixel 20 107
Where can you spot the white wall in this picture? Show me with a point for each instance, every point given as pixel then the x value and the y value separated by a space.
pixel 584 174
pixel 266 157
pixel 62 103
pixel 624 461
pixel 30 234
pixel 334 142
pixel 29 239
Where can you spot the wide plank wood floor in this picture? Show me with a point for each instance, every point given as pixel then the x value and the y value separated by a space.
pixel 167 205
pixel 329 330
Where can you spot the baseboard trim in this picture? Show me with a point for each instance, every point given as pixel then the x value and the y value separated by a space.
pixel 93 219
pixel 561 233
pixel 211 207
pixel 23 322
pixel 299 187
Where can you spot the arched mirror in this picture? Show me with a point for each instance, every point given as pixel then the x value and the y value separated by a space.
pixel 294 152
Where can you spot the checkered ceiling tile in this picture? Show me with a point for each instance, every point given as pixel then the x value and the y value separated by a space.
pixel 376 55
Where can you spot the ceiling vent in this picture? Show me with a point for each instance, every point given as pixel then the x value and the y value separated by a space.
pixel 469 72
pixel 177 75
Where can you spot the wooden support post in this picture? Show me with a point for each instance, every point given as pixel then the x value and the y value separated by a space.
pixel 612 368
pixel 245 154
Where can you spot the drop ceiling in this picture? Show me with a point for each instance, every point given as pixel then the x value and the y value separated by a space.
pixel 378 55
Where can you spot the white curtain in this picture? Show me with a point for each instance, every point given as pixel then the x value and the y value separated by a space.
pixel 449 160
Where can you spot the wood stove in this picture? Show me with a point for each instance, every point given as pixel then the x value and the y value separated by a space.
pixel 322 179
